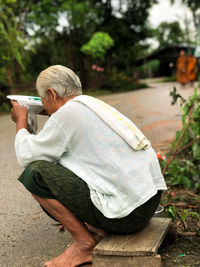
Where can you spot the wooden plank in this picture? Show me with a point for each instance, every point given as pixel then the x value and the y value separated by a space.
pixel 120 261
pixel 143 243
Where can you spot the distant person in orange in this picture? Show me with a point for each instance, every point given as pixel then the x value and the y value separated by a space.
pixel 191 68
pixel 181 68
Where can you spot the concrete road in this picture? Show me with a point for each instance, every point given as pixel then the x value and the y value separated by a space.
pixel 27 236
pixel 151 110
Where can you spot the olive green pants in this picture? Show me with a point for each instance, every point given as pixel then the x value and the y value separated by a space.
pixel 53 181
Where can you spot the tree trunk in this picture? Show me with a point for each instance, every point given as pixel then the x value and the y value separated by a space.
pixel 10 80
pixel 68 51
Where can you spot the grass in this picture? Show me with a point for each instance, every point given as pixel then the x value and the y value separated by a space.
pixel 169 79
pixel 101 92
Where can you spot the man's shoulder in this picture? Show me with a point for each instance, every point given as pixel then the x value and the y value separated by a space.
pixel 71 110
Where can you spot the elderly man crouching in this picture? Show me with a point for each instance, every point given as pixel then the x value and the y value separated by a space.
pixel 90 168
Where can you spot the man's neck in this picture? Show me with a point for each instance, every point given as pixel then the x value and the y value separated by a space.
pixel 64 100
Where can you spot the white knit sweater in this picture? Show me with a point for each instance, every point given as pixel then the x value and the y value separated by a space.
pixel 119 178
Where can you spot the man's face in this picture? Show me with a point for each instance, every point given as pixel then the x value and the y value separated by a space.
pixel 49 103
pixel 182 53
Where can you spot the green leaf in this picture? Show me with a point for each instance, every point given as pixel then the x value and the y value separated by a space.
pixel 98 45
pixel 195 215
pixel 184 215
pixel 186 182
pixel 171 212
pixel 196 151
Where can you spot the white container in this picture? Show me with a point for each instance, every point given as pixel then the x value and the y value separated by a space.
pixel 33 103
pixel 34 106
pixel 159 211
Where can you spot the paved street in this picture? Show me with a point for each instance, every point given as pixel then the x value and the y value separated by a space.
pixel 151 110
pixel 27 236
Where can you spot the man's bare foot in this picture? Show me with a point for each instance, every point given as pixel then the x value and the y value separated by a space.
pixel 75 255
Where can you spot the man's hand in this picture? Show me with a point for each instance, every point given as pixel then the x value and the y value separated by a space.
pixel 19 115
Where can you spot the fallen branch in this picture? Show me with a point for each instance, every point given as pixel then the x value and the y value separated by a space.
pixel 180 205
pixel 186 234
pixel 191 233
pixel 191 194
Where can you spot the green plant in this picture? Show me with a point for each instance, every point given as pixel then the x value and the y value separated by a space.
pixel 169 79
pixel 185 169
pixel 120 81
pixel 171 212
pixel 187 213
pixel 183 173
pixel 12 44
pixel 175 96
pixel 190 120
pixel 149 68
pixel 98 45
pixel 4 107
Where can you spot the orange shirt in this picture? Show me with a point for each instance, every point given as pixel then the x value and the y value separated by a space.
pixel 191 68
pixel 181 70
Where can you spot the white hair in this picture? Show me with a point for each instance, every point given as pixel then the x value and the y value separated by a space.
pixel 61 79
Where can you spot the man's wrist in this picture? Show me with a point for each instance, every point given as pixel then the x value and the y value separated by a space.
pixel 21 124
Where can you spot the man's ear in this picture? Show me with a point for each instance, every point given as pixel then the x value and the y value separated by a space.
pixel 52 93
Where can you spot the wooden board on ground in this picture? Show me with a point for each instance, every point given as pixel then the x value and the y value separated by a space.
pixel 142 244
pixel 119 261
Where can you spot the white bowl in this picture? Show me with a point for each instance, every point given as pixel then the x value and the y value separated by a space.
pixel 159 211
pixel 33 102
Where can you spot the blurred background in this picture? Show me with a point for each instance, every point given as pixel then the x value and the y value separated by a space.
pixel 113 45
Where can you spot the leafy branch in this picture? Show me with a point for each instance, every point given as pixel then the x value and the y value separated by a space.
pixel 174 153
pixel 183 164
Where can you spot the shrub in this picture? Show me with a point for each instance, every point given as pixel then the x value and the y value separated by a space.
pixel 184 170
pixel 150 68
pixel 119 82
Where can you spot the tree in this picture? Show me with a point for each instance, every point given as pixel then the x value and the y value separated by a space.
pixel 98 45
pixel 11 43
pixel 194 6
pixel 126 24
pixel 169 33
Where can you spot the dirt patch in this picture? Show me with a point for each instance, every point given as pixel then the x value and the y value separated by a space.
pixel 183 252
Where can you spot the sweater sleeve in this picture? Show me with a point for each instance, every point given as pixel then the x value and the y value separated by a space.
pixel 49 144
